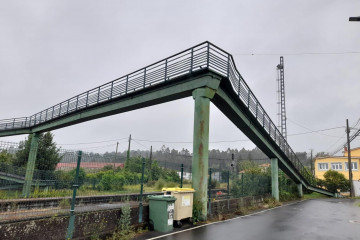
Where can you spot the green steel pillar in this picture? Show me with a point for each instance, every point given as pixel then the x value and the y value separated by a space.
pixel 202 98
pixel 30 165
pixel 275 178
pixel 300 190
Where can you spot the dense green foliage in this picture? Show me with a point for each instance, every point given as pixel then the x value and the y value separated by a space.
pixel 114 179
pixel 5 157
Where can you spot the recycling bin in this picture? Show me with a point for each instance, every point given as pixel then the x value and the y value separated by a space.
pixel 183 204
pixel 161 212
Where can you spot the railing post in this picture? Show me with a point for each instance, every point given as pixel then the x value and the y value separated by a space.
pixel 192 60
pixel 127 82
pixel 208 55
pixel 13 125
pixel 98 95
pixel 52 113
pixel 248 100
pixel 77 102
pixel 166 65
pixel 68 105
pixel 59 110
pixel 46 114
pixel 141 191
pixel 35 119
pixel 228 67
pixel 144 77
pixel 71 226
pixel 256 111
pixel 87 98
pixel 111 90
pixel 263 123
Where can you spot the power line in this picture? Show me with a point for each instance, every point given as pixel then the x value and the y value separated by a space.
pixel 318 132
pixel 299 53
pixel 113 140
pixel 315 131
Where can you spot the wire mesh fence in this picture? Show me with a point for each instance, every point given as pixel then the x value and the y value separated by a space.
pixel 106 181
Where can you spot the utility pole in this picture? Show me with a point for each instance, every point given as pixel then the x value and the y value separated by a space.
pixel 349 158
pixel 117 145
pixel 150 178
pixel 312 167
pixel 128 152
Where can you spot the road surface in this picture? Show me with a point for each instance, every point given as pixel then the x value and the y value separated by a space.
pixel 318 219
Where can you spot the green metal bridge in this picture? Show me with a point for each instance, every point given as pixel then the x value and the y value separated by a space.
pixel 205 72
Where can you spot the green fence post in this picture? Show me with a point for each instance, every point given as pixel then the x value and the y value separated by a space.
pixel 141 191
pixel 209 192
pixel 71 226
pixel 30 165
pixel 182 175
pixel 228 189
pixel 242 184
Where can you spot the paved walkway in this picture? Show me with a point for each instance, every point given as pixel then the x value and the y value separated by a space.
pixel 327 219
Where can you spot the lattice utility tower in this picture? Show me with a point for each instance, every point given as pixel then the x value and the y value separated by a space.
pixel 281 98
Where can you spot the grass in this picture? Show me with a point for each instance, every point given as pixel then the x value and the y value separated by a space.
pixel 314 195
pixel 84 191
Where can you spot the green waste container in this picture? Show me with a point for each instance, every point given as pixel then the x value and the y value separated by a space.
pixel 161 208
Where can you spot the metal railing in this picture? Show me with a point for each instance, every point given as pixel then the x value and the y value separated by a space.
pixel 202 56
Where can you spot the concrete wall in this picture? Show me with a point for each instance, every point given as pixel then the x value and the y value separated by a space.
pixel 87 225
pixel 98 223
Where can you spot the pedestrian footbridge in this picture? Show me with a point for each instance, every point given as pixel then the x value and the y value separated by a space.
pixel 205 72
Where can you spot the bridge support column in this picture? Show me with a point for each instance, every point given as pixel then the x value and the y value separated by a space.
pixel 200 157
pixel 300 190
pixel 275 178
pixel 30 165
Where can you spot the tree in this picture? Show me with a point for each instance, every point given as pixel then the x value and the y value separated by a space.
pixel 47 154
pixel 5 157
pixel 335 181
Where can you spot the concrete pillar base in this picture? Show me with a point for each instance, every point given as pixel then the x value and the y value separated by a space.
pixel 275 179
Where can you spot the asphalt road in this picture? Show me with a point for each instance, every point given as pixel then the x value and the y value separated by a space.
pixel 328 219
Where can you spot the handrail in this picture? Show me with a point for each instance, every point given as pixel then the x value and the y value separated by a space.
pixel 201 56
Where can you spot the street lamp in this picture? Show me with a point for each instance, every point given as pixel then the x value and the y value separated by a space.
pixel 354 19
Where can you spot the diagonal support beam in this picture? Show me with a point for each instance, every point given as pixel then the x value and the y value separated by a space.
pixel 31 164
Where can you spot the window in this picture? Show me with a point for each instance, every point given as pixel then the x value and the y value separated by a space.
pixel 323 166
pixel 336 166
pixel 353 167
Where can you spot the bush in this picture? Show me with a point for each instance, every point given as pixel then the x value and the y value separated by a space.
pixel 111 181
pixel 334 181
pixel 160 184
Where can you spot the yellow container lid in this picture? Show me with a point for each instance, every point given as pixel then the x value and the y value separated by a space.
pixel 178 190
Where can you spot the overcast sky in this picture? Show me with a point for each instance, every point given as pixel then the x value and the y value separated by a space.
pixel 53 50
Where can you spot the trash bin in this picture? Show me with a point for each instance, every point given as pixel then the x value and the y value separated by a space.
pixel 161 212
pixel 183 204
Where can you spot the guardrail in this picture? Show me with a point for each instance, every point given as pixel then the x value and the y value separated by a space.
pixel 202 56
